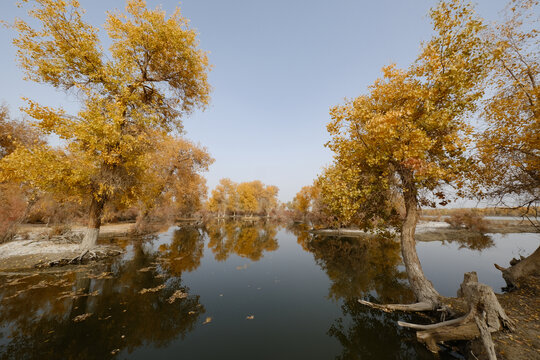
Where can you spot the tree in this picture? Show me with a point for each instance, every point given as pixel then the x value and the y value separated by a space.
pixel 509 148
pixel 224 197
pixel 172 183
pixel 301 202
pixel 247 198
pixel 409 132
pixel 152 75
pixel 17 200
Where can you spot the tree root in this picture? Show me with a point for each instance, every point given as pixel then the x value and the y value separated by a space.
pixel 485 315
pixel 420 306
pixel 85 257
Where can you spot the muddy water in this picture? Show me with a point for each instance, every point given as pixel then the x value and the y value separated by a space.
pixel 235 291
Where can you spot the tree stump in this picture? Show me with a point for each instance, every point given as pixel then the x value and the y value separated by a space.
pixel 520 269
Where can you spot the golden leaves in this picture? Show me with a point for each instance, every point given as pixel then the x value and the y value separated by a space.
pixel 246 197
pixel 411 121
pixel 130 101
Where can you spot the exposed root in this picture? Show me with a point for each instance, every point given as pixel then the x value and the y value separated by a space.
pixel 85 257
pixel 484 316
pixel 433 326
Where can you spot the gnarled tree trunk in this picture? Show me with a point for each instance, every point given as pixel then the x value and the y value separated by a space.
pixel 423 288
pixel 94 223
pixel 521 269
pixel 426 296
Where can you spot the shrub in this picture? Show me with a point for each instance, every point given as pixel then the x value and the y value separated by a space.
pixel 467 219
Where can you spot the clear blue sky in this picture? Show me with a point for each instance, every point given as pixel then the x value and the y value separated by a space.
pixel 278 68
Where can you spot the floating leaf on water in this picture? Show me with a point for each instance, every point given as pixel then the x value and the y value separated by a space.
pixel 146 269
pixel 191 312
pixel 250 317
pixel 152 290
pixel 178 294
pixel 243 267
pixel 82 317
pixel 115 351
pixel 207 320
pixel 103 275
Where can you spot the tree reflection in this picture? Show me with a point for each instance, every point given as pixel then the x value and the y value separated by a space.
pixel 367 333
pixel 39 313
pixel 362 265
pixel 249 240
pixel 184 252
pixel 365 267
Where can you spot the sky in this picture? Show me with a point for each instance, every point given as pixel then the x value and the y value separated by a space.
pixel 278 67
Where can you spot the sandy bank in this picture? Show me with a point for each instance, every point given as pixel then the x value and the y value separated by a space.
pixel 33 249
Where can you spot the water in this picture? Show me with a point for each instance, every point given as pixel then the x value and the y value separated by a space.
pixel 246 291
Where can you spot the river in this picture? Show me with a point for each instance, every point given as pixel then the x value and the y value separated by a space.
pixel 237 291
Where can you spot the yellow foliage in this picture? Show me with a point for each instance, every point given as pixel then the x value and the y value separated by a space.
pixel 509 148
pixel 131 96
pixel 247 198
pixel 409 131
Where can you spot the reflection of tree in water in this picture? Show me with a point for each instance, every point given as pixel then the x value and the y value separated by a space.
pixel 303 236
pixel 367 333
pixel 40 319
pixel 249 240
pixel 358 266
pixel 185 251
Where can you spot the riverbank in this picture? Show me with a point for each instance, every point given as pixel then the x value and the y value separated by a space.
pixel 438 230
pixel 523 307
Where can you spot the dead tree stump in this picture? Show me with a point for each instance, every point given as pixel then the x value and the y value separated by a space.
pixel 521 269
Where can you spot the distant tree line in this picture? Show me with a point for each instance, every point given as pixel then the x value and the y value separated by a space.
pixel 245 198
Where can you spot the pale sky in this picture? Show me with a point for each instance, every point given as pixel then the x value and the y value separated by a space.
pixel 278 66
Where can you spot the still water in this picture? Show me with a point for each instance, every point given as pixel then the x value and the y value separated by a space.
pixel 236 291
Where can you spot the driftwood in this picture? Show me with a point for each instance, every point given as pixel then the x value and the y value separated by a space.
pixel 85 257
pixel 484 316
pixel 521 269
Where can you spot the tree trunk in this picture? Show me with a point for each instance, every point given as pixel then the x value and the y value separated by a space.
pixel 94 223
pixel 521 269
pixel 423 288
pixel 141 223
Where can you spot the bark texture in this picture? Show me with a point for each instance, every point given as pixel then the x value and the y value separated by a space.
pixel 485 316
pixel 423 288
pixel 519 270
pixel 94 223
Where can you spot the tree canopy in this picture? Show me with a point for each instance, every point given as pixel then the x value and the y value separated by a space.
pixel 136 92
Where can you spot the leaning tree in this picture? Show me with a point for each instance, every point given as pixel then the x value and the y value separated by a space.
pixel 509 145
pixel 409 135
